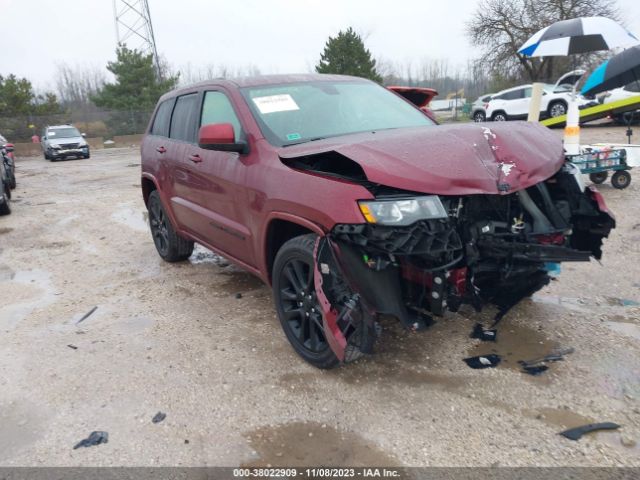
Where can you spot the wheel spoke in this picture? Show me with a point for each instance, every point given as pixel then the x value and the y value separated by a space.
pixel 293 314
pixel 287 294
pixel 291 276
pixel 298 268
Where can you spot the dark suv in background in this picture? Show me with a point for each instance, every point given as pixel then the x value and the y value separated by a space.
pixel 63 141
pixel 351 203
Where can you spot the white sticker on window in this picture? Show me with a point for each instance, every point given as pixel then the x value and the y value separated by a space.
pixel 52 134
pixel 275 103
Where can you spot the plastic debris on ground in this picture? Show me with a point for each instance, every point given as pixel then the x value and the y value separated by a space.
pixel 577 432
pixel 158 417
pixel 94 438
pixel 485 335
pixel 483 361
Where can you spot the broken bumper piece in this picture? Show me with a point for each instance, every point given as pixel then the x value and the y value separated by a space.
pixel 490 249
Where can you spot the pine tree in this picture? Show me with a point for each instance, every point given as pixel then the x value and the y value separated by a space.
pixel 135 91
pixel 346 54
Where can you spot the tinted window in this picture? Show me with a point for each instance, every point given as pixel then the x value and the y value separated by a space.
pixel 163 117
pixel 185 118
pixel 513 95
pixel 217 109
pixel 633 87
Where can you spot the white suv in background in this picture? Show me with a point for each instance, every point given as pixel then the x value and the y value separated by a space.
pixel 513 103
pixel 622 93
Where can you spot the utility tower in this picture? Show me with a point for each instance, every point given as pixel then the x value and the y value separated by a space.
pixel 134 28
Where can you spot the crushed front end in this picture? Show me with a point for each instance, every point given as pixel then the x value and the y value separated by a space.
pixel 418 256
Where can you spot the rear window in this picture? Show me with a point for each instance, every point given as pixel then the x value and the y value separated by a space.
pixel 185 118
pixel 163 117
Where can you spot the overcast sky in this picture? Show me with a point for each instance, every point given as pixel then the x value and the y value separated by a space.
pixel 277 36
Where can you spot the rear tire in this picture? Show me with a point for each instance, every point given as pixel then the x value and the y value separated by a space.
pixel 5 198
pixel 479 117
pixel 296 303
pixel 598 178
pixel 170 246
pixel 621 179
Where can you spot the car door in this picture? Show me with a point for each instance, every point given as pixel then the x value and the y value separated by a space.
pixel 518 102
pixel 216 181
pixel 182 132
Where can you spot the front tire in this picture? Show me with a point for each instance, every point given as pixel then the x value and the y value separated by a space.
pixel 557 109
pixel 499 117
pixel 170 246
pixel 296 303
pixel 598 178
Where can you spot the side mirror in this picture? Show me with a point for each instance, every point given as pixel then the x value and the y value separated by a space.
pixel 220 136
pixel 84 134
pixel 9 147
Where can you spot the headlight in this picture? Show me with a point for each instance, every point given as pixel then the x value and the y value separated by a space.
pixel 402 212
pixel 57 147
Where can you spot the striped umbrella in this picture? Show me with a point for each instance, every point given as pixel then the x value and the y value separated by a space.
pixel 578 35
pixel 618 71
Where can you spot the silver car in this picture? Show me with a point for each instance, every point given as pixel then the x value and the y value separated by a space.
pixel 62 141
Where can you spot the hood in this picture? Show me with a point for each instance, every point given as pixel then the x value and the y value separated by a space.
pixel 419 96
pixel 59 141
pixel 451 159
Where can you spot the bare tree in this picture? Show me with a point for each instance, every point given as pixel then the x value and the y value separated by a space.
pixel 500 27
pixel 76 85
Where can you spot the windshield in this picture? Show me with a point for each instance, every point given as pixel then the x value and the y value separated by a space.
pixel 301 112
pixel 63 133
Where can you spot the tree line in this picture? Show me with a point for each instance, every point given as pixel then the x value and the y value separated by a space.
pixel 497 28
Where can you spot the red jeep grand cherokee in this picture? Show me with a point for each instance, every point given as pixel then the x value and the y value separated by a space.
pixel 351 203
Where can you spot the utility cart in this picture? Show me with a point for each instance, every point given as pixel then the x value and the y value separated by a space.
pixel 598 162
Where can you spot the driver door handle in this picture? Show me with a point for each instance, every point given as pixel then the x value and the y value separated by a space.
pixel 195 158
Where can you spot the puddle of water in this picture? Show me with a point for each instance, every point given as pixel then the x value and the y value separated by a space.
pixel 13 313
pixel 561 418
pixel 132 218
pixel 564 419
pixel 309 444
pixel 625 328
pixel 6 273
pixel 516 342
pixel 20 426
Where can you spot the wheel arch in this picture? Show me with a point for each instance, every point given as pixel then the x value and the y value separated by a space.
pixel 281 227
pixel 148 185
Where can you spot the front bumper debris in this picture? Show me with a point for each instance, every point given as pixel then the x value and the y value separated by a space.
pixel 490 250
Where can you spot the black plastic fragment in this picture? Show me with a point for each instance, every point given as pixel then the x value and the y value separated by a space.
pixel 86 315
pixel 72 347
pixel 484 335
pixel 577 432
pixel 238 295
pixel 94 438
pixel 158 417
pixel 554 356
pixel 535 369
pixel 483 361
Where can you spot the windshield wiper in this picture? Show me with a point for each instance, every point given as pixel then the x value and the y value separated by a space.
pixel 315 139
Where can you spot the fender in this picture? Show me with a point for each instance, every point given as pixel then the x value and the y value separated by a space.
pixel 165 201
pixel 276 215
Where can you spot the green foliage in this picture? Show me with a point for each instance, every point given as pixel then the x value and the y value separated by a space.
pixel 20 107
pixel 17 98
pixel 346 55
pixel 135 91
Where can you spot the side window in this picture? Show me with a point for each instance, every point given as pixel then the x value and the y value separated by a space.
pixel 185 118
pixel 527 92
pixel 217 108
pixel 163 117
pixel 513 95
pixel 633 87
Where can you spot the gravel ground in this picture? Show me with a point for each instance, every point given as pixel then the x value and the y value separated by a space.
pixel 176 339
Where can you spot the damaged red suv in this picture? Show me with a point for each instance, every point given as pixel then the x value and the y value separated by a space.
pixel 351 203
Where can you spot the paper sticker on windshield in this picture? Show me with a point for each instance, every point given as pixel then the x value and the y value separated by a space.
pixel 275 103
pixel 52 134
pixel 293 136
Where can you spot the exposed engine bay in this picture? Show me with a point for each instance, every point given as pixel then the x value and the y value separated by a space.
pixel 489 249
